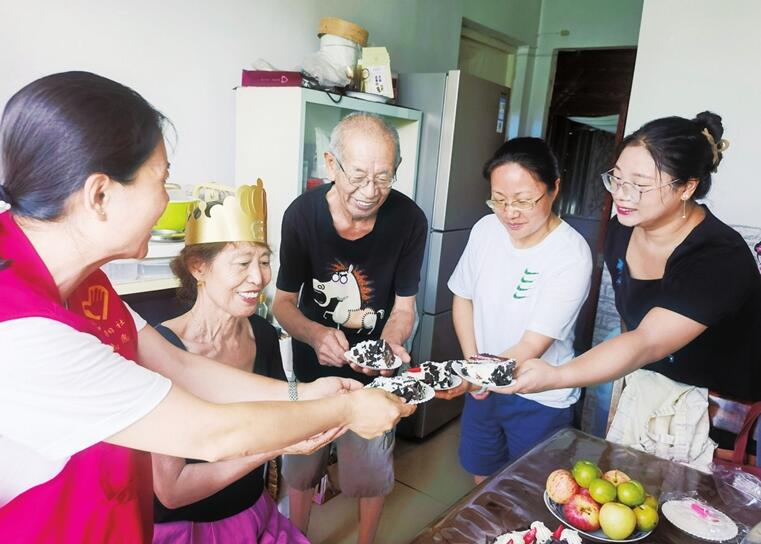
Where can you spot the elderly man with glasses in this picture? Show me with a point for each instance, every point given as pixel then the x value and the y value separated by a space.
pixel 353 250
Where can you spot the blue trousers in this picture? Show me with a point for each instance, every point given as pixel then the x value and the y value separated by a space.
pixel 501 428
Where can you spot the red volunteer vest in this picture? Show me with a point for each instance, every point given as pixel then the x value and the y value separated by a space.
pixel 104 493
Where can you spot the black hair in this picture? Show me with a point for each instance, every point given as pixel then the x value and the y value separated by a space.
pixel 60 129
pixel 681 148
pixel 533 154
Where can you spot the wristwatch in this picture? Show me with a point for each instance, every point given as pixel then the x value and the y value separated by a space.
pixel 293 389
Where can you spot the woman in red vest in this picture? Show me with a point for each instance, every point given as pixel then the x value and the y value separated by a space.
pixel 85 382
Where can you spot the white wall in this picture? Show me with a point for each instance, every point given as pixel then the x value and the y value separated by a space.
pixel 186 56
pixel 516 21
pixel 697 55
pixel 591 24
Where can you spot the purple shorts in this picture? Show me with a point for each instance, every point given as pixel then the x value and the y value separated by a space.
pixel 259 524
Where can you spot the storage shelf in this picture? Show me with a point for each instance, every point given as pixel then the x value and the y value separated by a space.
pixel 157 250
pixel 145 285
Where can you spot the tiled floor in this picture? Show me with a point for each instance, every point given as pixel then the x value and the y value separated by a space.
pixel 429 480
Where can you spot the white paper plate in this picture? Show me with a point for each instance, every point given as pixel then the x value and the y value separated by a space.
pixel 699 519
pixel 597 536
pixel 387 384
pixel 477 373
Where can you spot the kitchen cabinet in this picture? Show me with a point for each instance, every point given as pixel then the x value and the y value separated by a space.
pixel 129 276
pixel 281 134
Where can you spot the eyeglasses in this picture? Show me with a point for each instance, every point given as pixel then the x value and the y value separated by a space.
pixel 360 181
pixel 522 205
pixel 630 191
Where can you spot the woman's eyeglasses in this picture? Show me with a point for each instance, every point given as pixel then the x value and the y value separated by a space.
pixel 522 205
pixel 629 191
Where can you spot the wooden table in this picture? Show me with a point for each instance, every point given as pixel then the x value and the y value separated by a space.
pixel 513 498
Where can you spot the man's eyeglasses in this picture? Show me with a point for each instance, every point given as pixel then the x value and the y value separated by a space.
pixel 522 205
pixel 381 181
pixel 630 191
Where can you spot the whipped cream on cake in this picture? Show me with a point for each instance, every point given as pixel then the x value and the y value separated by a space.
pixel 406 387
pixel 538 533
pixel 497 372
pixel 372 354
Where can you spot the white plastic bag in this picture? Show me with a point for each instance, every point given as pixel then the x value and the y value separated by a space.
pixel 334 64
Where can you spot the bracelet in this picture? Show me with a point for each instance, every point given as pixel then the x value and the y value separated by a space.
pixel 293 391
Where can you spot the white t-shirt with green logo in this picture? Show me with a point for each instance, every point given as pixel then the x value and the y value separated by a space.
pixel 541 289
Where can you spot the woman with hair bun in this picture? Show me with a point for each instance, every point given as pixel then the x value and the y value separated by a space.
pixel 686 285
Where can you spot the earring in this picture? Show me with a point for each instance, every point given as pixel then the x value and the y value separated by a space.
pixel 684 208
pixel 199 284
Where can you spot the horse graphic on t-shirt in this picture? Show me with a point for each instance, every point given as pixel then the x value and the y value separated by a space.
pixel 350 288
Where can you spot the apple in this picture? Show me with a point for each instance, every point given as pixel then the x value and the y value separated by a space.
pixel 630 493
pixel 602 491
pixel 640 486
pixel 652 502
pixel 617 521
pixel 561 486
pixel 647 517
pixel 584 491
pixel 585 471
pixel 582 512
pixel 616 477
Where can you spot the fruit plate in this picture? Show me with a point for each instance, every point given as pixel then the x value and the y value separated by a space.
pixel 598 535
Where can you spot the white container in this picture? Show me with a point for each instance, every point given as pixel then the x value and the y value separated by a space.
pixel 121 271
pixel 155 268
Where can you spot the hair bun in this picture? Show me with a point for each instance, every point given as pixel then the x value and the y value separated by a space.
pixel 712 122
pixel 713 130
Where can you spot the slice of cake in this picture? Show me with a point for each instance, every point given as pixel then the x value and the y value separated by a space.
pixel 437 375
pixel 503 372
pixel 372 354
pixel 407 387
pixel 538 533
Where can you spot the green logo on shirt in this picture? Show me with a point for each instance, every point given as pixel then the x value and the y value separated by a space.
pixel 525 284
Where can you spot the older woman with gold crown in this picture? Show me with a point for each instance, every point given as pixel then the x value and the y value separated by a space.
pixel 223 269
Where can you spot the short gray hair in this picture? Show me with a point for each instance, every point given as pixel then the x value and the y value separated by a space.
pixel 358 118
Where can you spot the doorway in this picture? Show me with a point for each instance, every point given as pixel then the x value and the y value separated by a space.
pixel 586 120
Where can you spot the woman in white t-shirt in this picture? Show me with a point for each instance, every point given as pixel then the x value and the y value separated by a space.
pixel 518 289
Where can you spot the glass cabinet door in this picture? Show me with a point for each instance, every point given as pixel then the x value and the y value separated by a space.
pixel 321 114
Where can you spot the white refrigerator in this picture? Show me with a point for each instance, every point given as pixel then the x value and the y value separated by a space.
pixel 464 122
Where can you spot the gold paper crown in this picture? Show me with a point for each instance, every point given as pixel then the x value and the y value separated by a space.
pixel 224 214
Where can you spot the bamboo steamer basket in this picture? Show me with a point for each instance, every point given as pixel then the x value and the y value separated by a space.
pixel 344 29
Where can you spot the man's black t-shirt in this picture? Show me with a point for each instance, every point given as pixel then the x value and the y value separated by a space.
pixel 711 278
pixel 348 284
pixel 245 491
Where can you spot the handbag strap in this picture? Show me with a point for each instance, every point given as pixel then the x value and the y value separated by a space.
pixel 741 443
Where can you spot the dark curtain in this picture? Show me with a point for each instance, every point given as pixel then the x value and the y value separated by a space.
pixel 583 154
